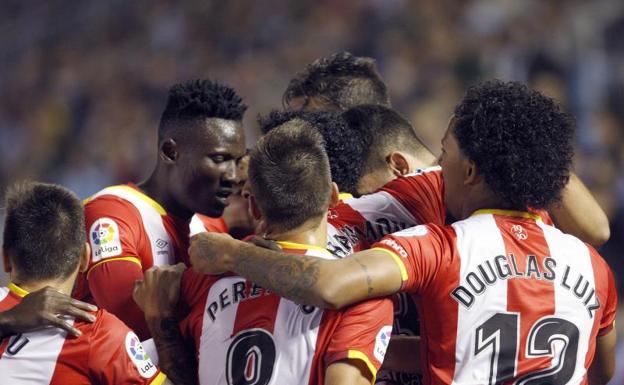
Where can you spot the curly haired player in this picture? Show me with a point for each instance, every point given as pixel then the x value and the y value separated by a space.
pixel 336 83
pixel 521 301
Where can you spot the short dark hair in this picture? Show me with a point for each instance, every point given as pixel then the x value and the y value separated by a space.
pixel 341 79
pixel 44 231
pixel 342 144
pixel 520 140
pixel 383 130
pixel 289 175
pixel 200 99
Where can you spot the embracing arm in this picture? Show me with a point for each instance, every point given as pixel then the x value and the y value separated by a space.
pixel 44 308
pixel 323 283
pixel 157 295
pixel 579 214
pixel 603 366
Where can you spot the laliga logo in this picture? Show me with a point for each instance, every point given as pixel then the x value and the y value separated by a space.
pixel 139 356
pixel 519 232
pixel 103 233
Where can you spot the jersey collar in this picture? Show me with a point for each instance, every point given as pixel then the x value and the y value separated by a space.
pixel 301 246
pixel 508 213
pixel 18 291
pixel 343 196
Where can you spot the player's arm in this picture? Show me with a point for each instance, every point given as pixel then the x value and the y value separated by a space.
pixel 603 366
pixel 42 308
pixel 403 354
pixel 314 281
pixel 579 214
pixel 111 284
pixel 157 295
pixel 347 372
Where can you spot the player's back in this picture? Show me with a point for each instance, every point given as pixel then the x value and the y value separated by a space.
pixel 107 352
pixel 520 300
pixel 245 334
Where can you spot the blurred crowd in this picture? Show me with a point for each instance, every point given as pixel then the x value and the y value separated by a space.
pixel 83 83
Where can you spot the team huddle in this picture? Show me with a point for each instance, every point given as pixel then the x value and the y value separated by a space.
pixel 337 250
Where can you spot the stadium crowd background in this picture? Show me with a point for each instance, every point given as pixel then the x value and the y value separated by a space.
pixel 83 83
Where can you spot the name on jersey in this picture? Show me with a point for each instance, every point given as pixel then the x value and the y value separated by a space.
pixel 237 292
pixel 342 244
pixel 503 267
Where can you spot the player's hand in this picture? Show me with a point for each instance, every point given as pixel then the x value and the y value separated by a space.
pixel 209 251
pixel 158 293
pixel 45 307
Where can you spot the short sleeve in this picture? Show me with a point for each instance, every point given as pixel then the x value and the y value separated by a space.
pixel 607 322
pixel 117 357
pixel 421 193
pixel 420 252
pixel 114 230
pixel 363 333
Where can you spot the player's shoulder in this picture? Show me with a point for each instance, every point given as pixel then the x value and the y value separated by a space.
pixel 108 203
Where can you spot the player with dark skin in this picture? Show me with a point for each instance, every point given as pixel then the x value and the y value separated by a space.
pixel 471 181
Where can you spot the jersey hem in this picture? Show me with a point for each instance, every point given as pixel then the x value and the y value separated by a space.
pixel 129 259
pixel 398 261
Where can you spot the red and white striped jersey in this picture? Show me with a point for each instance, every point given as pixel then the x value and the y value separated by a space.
pixel 406 201
pixel 128 233
pixel 107 353
pixel 246 335
pixel 504 297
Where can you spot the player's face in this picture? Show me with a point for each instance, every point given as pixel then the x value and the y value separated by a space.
pixel 208 166
pixel 452 162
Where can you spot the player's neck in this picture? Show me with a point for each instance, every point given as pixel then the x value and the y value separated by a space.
pixel 158 191
pixel 309 233
pixel 63 286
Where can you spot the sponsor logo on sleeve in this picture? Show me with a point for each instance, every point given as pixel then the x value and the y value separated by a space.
pixel 394 245
pixel 381 342
pixel 104 239
pixel 139 356
pixel 416 231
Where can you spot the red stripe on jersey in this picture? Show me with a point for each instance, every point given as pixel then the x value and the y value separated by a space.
pixel 529 294
pixel 605 292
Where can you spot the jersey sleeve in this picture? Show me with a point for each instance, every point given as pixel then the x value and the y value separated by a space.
pixel 111 285
pixel 114 231
pixel 607 322
pixel 420 252
pixel 363 333
pixel 421 193
pixel 117 357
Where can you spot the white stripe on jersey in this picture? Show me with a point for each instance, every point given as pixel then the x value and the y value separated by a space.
pixel 570 251
pixel 473 251
pixel 160 242
pixel 4 291
pixel 213 346
pixel 382 205
pixel 35 357
pixel 196 226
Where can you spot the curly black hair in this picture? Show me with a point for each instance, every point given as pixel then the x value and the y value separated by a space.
pixel 200 99
pixel 342 80
pixel 520 140
pixel 343 145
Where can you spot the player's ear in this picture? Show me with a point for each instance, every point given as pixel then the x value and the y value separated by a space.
pixel 335 195
pixel 398 163
pixel 471 174
pixel 85 258
pixel 253 207
pixel 168 151
pixel 6 260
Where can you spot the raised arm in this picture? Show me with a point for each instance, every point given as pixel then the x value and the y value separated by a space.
pixel 329 284
pixel 579 214
pixel 157 295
